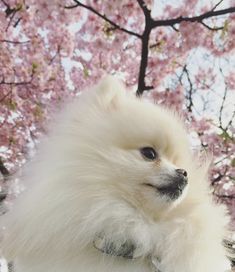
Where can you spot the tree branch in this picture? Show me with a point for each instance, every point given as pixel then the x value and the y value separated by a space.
pixel 230 121
pixel 145 49
pixel 199 19
pixel 222 108
pixel 212 28
pixel 221 126
pixel 3 82
pixel 5 3
pixel 11 12
pixel 143 64
pixel 217 179
pixel 190 90
pixel 79 4
pixel 14 42
pixel 56 54
pixel 144 8
pixel 225 196
pixel 217 4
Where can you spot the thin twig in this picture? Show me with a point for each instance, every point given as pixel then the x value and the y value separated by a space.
pixel 15 83
pixel 225 196
pixel 231 120
pixel 190 91
pixel 212 28
pixel 5 96
pixel 14 42
pixel 116 26
pixel 225 129
pixel 217 5
pixel 56 54
pixel 5 3
pixel 3 82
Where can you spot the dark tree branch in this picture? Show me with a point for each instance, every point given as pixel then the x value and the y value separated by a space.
pixel 225 196
pixel 221 126
pixel 5 3
pixel 217 5
pixel 199 19
pixel 143 64
pixel 190 91
pixel 144 50
pixel 144 8
pixel 230 121
pixel 15 83
pixel 222 108
pixel 56 54
pixel 212 28
pixel 217 179
pixel 17 22
pixel 221 160
pixel 11 12
pixel 175 29
pixel 189 95
pixel 14 42
pixel 79 4
pixel 3 82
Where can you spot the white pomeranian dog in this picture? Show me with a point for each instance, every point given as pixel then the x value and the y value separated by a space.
pixel 115 188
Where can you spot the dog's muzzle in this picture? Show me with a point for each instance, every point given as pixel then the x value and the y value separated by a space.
pixel 175 188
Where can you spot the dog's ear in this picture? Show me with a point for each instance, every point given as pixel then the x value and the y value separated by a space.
pixel 109 93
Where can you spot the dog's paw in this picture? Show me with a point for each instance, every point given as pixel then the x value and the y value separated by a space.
pixel 126 249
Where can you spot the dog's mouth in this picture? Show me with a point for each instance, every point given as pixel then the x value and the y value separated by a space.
pixel 172 190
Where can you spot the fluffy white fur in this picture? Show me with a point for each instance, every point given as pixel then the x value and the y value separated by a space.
pixel 88 179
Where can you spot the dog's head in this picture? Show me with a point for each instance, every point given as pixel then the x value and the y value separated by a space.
pixel 136 150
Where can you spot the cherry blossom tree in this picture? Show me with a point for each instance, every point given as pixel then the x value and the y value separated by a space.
pixel 176 53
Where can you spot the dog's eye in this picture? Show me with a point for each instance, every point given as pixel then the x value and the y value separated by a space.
pixel 149 153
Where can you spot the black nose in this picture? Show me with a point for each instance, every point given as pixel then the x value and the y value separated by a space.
pixel 182 172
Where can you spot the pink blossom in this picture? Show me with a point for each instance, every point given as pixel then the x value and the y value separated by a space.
pixel 230 81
